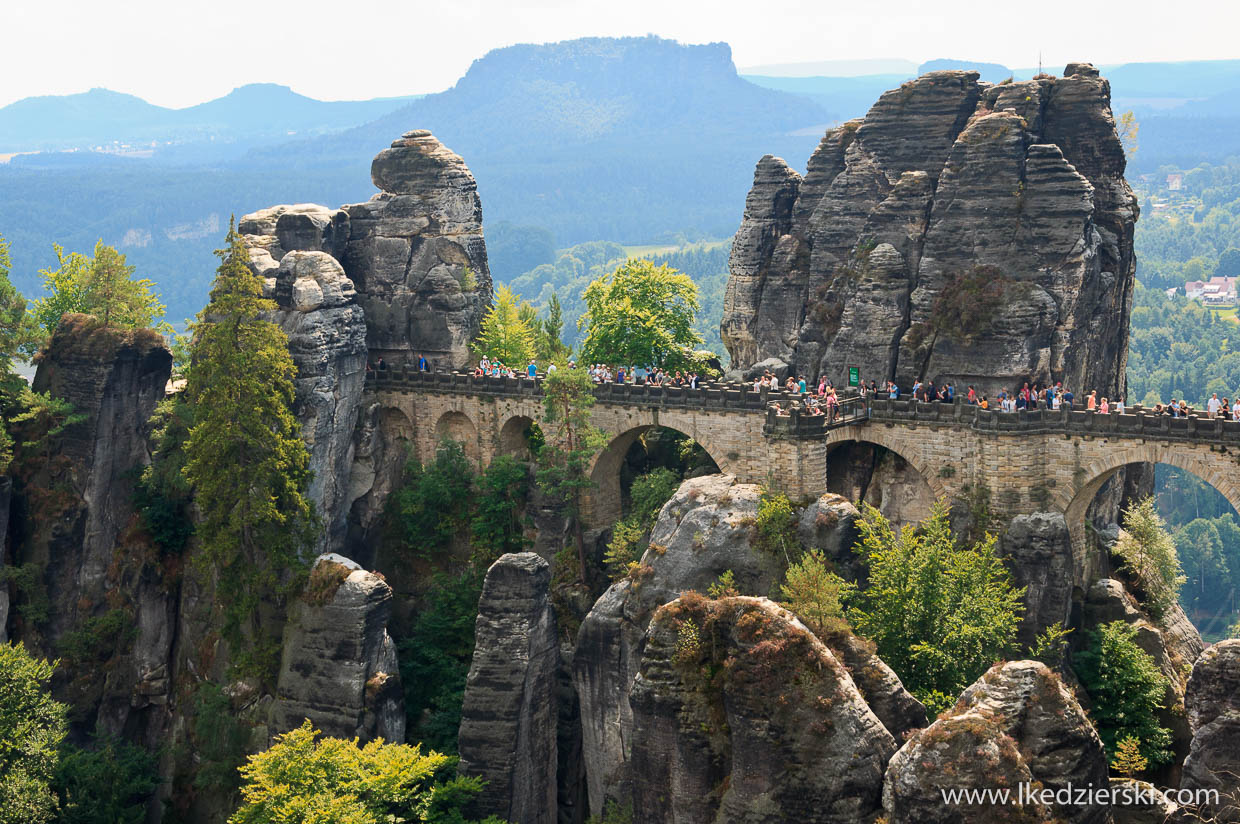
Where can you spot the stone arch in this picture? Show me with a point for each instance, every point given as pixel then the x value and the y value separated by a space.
pixel 458 426
pixel 1214 467
pixel 602 505
pixel 512 437
pixel 903 450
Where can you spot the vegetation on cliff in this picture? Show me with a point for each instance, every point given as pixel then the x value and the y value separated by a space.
pixel 32 725
pixel 940 613
pixel 305 779
pixel 1127 690
pixel 240 390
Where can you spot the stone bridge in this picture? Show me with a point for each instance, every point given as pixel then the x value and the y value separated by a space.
pixel 1031 461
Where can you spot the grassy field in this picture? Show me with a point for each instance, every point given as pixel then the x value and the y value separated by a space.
pixel 664 248
pixel 1226 314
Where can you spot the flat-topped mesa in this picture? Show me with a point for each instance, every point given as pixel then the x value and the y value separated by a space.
pixel 961 231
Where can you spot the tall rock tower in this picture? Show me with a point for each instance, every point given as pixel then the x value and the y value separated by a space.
pixel 960 231
pixel 403 274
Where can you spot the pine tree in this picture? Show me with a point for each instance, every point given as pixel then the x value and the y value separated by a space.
pixel 506 336
pixel 1128 760
pixel 245 457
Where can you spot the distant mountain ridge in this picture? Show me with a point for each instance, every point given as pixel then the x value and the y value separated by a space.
pixel 101 117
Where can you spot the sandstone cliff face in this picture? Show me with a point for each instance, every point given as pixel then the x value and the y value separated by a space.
pixel 318 310
pixel 81 517
pixel 703 531
pixel 508 732
pixel 1017 724
pixel 403 274
pixel 741 714
pixel 338 666
pixel 960 231
pixel 1212 702
pixel 416 252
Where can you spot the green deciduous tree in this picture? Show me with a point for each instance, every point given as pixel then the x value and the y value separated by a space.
pixel 640 315
pixel 431 505
pixel 244 456
pixel 305 779
pixel 32 727
pixel 505 335
pixel 109 782
pixel 939 613
pixel 564 461
pixel 43 419
pixel 17 328
pixel 1127 690
pixel 102 285
pixel 1149 556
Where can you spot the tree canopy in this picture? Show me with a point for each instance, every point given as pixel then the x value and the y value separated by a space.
pixel 32 726
pixel 305 779
pixel 245 457
pixel 505 335
pixel 940 613
pixel 640 315
pixel 102 285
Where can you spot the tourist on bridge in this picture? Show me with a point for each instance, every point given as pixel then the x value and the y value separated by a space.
pixel 423 366
pixel 531 371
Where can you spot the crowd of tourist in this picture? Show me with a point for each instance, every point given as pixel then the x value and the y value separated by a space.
pixel 824 400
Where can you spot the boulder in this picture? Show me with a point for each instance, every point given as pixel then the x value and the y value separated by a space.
pixel 742 714
pixel 1015 725
pixel 1140 802
pixel 508 735
pixel 1212 704
pixel 338 665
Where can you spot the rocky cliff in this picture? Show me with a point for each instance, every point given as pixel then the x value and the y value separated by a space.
pixel 960 231
pixel 93 574
pixel 402 275
pixel 508 720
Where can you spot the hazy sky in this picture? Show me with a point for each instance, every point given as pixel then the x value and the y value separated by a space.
pixel 177 53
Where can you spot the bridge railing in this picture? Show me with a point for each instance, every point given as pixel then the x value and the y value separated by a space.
pixel 1134 422
pixel 709 394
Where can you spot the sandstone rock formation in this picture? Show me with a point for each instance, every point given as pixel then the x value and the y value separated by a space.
pixel 403 274
pixel 318 310
pixel 703 531
pixel 508 733
pixel 1212 703
pixel 960 231
pixel 338 665
pixel 1038 551
pixel 416 252
pixel 85 512
pixel 741 714
pixel 1017 724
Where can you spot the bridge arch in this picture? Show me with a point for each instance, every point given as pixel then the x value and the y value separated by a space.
pixel 603 504
pixel 457 426
pixel 514 438
pixel 901 444
pixel 1218 469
